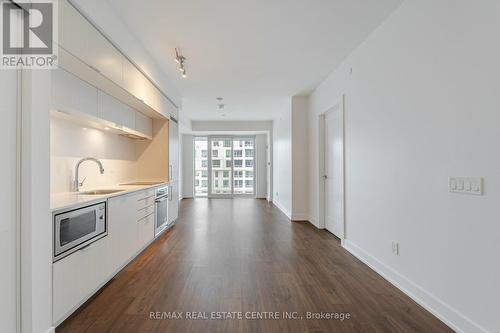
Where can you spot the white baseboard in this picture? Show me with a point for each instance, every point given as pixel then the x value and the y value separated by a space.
pixel 451 317
pixel 283 209
pixel 52 329
pixel 299 217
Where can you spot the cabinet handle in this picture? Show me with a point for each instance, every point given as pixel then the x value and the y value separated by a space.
pixel 85 248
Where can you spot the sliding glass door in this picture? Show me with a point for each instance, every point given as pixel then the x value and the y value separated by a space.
pixel 224 166
pixel 221 165
pixel 243 161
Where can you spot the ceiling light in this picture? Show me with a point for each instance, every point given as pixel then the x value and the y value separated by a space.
pixel 219 99
pixel 176 56
pixel 180 59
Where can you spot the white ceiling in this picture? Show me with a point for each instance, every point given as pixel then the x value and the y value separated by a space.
pixel 255 53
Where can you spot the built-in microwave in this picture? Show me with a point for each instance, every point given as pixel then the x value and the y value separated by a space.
pixel 78 228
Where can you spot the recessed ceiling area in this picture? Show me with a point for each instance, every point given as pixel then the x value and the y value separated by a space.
pixel 256 54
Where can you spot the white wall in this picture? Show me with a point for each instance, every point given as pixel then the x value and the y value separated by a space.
pixel 36 223
pixel 422 104
pixel 282 161
pixel 187 162
pixel 231 126
pixel 300 158
pixel 8 201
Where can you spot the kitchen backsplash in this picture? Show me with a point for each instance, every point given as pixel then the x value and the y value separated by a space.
pixel 70 142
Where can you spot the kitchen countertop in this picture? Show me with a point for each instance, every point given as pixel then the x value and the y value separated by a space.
pixel 71 200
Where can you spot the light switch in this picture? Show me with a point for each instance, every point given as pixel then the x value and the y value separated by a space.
pixel 466 185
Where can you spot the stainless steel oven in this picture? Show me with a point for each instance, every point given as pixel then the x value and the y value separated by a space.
pixel 78 228
pixel 161 210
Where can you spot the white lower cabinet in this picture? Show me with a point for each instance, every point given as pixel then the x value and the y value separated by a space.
pixel 146 230
pixel 122 222
pixel 77 276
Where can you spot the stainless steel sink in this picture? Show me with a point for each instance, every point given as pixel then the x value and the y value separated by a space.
pixel 99 192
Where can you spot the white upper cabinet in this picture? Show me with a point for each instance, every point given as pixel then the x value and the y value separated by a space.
pixel 112 110
pixel 105 58
pixel 104 61
pixel 81 39
pixel 74 32
pixel 143 124
pixel 70 94
pixel 137 84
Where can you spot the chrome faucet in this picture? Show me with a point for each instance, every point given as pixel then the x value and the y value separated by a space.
pixel 77 181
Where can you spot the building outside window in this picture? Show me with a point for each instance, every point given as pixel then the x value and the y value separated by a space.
pixel 249 163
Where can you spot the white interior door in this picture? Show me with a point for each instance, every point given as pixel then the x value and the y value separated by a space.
pixel 334 171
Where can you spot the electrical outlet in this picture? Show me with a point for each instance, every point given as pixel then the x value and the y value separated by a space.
pixel 395 248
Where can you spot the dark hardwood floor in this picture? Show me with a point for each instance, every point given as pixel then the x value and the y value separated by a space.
pixel 245 256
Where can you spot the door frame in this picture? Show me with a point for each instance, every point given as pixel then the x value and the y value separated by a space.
pixel 339 104
pixel 194 166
